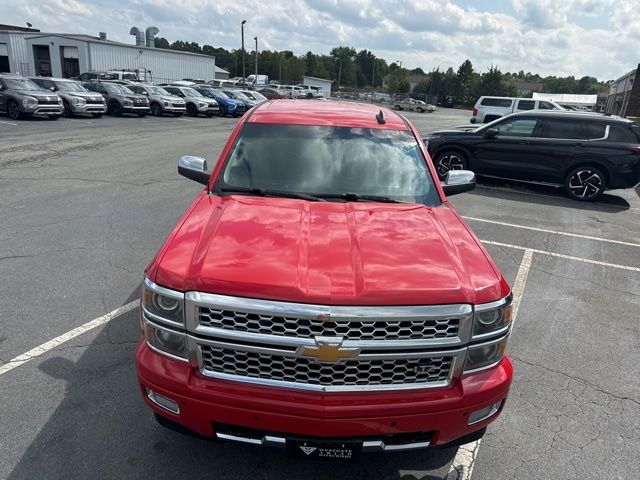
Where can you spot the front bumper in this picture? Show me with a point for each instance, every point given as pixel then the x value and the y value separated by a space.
pixel 205 401
pixel 89 108
pixel 43 110
pixel 135 109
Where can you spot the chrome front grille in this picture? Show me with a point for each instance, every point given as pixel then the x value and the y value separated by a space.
pixel 308 371
pixel 326 348
pixel 309 328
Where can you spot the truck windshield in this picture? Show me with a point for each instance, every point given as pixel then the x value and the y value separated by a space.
pixel 333 163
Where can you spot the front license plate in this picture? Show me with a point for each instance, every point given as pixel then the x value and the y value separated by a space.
pixel 324 451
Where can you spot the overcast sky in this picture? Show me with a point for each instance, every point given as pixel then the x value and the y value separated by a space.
pixel 551 37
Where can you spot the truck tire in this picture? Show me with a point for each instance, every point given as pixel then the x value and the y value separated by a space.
pixel 420 110
pixel 13 110
pixel 398 107
pixel 585 183
pixel 448 160
pixel 115 109
pixel 156 109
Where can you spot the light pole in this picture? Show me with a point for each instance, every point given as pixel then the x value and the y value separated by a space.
pixel 244 73
pixel 339 73
pixel 255 81
pixel 373 78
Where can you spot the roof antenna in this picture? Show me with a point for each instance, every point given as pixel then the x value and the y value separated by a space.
pixel 380 118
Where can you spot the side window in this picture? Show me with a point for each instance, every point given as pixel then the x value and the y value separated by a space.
pixel 135 89
pixel 518 127
pixel 542 105
pixel 618 133
pixel 526 104
pixel 496 102
pixel 563 128
pixel 595 130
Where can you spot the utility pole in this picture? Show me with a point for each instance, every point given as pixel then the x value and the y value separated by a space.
pixel 255 81
pixel 280 70
pixel 339 73
pixel 373 78
pixel 244 73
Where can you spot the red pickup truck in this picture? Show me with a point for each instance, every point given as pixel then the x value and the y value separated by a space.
pixel 322 295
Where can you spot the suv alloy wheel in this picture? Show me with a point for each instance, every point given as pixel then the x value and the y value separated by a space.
pixel 13 109
pixel 450 160
pixel 156 109
pixel 585 183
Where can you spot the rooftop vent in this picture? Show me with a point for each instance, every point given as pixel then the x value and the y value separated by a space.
pixel 103 35
pixel 150 34
pixel 139 34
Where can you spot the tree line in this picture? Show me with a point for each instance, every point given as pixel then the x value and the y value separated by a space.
pixel 362 70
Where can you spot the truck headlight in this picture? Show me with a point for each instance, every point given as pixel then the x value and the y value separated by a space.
pixel 29 102
pixel 485 355
pixel 162 304
pixel 492 318
pixel 166 341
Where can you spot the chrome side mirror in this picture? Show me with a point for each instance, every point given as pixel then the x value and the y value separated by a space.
pixel 194 168
pixel 459 181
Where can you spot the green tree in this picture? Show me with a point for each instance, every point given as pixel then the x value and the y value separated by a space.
pixel 161 42
pixel 464 77
pixel 398 81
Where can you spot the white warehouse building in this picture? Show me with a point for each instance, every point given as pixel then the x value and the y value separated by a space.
pixel 68 55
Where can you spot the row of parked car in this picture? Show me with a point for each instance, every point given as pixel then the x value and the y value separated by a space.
pixel 55 97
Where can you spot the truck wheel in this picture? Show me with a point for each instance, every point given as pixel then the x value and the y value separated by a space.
pixel 585 183
pixel 13 110
pixel 156 109
pixel 66 109
pixel 450 160
pixel 420 110
pixel 192 111
pixel 398 107
pixel 115 109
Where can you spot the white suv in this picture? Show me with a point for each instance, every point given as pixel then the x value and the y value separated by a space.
pixel 488 109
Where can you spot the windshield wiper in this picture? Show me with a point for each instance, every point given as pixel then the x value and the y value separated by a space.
pixel 356 197
pixel 261 192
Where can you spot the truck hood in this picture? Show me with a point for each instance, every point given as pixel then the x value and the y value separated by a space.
pixel 327 253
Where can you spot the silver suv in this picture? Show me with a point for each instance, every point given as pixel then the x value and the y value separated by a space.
pixel 196 102
pixel 120 99
pixel 75 98
pixel 160 101
pixel 20 97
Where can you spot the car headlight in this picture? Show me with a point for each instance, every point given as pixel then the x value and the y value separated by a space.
pixel 60 102
pixel 492 318
pixel 29 102
pixel 127 102
pixel 166 104
pixel 77 101
pixel 202 104
pixel 162 304
pixel 166 341
pixel 485 355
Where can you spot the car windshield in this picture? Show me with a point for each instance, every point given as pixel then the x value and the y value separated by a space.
pixel 241 96
pixel 333 163
pixel 190 92
pixel 115 88
pixel 21 84
pixel 158 91
pixel 221 94
pixel 70 87
pixel 258 96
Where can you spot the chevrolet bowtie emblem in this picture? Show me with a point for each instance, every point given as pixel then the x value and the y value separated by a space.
pixel 328 350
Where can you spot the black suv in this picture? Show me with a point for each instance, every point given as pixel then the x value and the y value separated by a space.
pixel 587 153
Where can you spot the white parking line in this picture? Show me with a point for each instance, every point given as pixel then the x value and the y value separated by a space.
pixel 555 232
pixel 561 255
pixel 9 123
pixel 464 461
pixel 65 337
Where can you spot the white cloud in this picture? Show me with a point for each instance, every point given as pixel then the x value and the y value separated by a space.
pixel 572 37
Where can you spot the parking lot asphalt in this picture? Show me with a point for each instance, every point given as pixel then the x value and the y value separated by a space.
pixel 84 205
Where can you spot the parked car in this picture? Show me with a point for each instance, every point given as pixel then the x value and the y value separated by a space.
pixel 322 294
pixel 20 97
pixel 271 93
pixel 257 81
pixel 311 92
pixel 120 99
pixel 488 109
pixel 587 153
pixel 160 101
pixel 196 103
pixel 414 105
pixel 75 98
pixel 257 96
pixel 241 97
pixel 93 76
pixel 197 81
pixel 226 104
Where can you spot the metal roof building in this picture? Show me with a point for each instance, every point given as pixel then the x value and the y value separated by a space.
pixel 68 55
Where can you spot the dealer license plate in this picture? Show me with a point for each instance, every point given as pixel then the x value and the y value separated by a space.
pixel 324 451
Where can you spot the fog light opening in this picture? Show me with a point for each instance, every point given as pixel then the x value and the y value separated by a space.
pixel 480 415
pixel 162 401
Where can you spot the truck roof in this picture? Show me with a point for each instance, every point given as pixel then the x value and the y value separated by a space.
pixel 330 113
